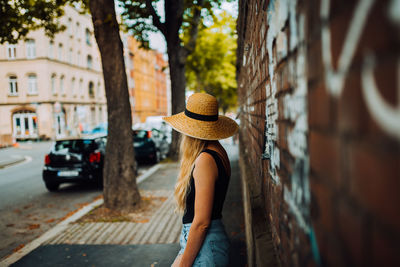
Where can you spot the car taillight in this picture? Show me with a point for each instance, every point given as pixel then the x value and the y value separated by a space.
pixel 94 157
pixel 149 134
pixel 47 160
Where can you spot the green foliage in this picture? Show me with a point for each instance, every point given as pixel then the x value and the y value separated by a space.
pixel 211 67
pixel 18 17
pixel 139 18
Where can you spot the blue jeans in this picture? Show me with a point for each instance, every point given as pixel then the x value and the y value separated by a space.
pixel 215 248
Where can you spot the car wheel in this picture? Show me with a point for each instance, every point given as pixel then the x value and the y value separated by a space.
pixel 52 186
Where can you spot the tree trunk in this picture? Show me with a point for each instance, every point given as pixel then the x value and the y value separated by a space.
pixel 178 84
pixel 176 60
pixel 120 189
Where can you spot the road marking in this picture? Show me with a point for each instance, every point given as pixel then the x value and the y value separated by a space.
pixel 63 225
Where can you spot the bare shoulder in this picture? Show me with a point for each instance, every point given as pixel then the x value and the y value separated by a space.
pixel 205 165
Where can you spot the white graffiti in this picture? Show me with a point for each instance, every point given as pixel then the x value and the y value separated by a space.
pixel 387 117
pixel 335 78
pixel 294 104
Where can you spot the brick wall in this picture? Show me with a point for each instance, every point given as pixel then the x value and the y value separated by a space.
pixel 319 92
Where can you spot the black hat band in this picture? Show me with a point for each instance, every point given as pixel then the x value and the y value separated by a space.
pixel 201 117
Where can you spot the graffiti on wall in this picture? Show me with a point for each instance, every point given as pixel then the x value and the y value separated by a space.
pixel 297 194
pixel 386 116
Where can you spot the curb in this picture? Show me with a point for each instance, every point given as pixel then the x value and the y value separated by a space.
pixel 61 226
pixel 14 161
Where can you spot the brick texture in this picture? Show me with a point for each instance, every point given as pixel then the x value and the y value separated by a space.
pixel 320 153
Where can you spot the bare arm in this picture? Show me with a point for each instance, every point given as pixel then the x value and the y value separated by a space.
pixel 205 175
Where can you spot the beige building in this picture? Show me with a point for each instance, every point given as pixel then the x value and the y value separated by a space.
pixel 52 88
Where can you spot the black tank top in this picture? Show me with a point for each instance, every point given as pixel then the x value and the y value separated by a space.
pixel 221 186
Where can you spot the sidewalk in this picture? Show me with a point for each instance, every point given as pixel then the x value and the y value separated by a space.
pixel 8 161
pixel 154 243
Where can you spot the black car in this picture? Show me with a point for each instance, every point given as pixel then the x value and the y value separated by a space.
pixel 74 160
pixel 150 145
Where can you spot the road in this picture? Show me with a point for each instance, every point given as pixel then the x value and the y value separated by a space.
pixel 27 209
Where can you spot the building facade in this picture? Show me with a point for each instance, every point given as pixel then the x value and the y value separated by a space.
pixel 52 88
pixel 320 131
pixel 147 81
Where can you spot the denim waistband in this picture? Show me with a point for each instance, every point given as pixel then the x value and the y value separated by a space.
pixel 214 224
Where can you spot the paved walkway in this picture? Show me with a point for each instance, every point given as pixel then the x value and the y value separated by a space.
pixel 140 244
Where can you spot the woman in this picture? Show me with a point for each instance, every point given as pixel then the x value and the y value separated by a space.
pixel 202 182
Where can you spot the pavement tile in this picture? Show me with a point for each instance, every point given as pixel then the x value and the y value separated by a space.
pixel 141 244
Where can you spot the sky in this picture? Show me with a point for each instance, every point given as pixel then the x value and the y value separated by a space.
pixel 157 40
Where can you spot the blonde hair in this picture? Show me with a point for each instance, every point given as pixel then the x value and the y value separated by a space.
pixel 190 149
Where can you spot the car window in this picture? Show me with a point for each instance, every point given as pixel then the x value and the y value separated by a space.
pixel 74 145
pixel 156 133
pixel 141 134
pixel 100 142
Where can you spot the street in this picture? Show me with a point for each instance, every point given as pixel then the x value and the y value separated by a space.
pixel 27 209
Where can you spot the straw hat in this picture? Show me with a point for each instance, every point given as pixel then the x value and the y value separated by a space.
pixel 201 120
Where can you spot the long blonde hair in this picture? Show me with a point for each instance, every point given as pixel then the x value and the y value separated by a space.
pixel 190 148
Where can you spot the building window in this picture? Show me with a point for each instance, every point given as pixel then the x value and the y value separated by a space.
pixel 78 58
pixel 60 51
pixel 70 30
pixel 91 89
pixel 53 84
pixel 87 32
pixel 30 48
pixel 80 87
pixel 32 84
pixel 98 89
pixel 11 51
pixel 12 86
pixel 73 87
pixel 77 30
pixel 62 91
pixel 51 49
pixel 25 124
pixel 70 56
pixel 89 62
pixel 101 118
pixel 93 116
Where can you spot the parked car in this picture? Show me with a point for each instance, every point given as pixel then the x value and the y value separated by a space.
pixel 150 145
pixel 102 128
pixel 156 122
pixel 74 160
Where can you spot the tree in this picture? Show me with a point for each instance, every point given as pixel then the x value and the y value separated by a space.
pixel 120 189
pixel 17 18
pixel 180 15
pixel 211 68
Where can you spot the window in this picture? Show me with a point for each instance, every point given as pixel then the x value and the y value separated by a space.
pixel 77 30
pixel 70 30
pixel 80 87
pixel 89 62
pixel 53 84
pixel 11 51
pixel 87 32
pixel 93 116
pixel 91 89
pixel 51 49
pixel 12 86
pixel 98 89
pixel 30 48
pixel 73 87
pixel 62 91
pixel 60 51
pixel 70 56
pixel 25 124
pixel 78 58
pixel 32 84
pixel 101 115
